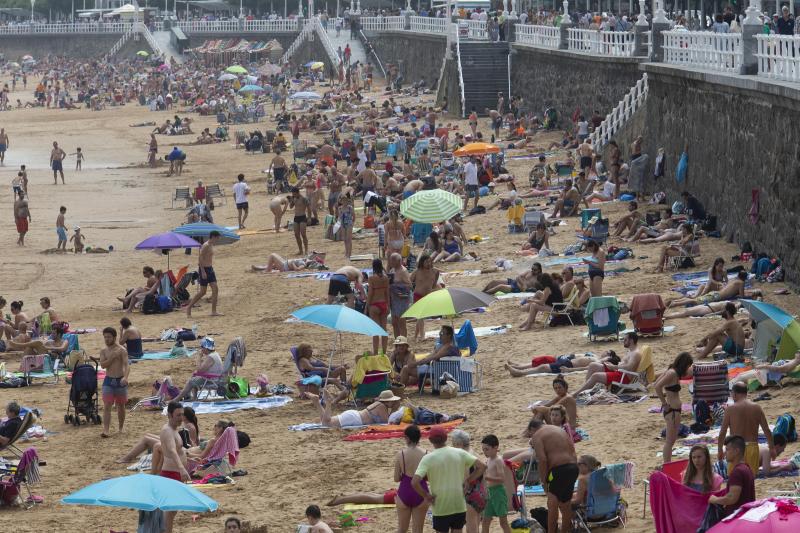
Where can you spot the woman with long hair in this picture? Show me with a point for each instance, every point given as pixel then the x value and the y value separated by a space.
pixel 668 388
pixel 698 474
pixel 717 276
pixel 378 302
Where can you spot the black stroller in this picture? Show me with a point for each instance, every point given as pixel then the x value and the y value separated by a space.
pixel 83 395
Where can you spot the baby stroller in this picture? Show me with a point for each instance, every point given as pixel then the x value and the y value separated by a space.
pixel 602 317
pixel 83 395
pixel 647 313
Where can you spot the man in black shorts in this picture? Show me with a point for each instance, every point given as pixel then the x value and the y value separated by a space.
pixel 555 454
pixel 302 212
pixel 339 284
pixel 207 276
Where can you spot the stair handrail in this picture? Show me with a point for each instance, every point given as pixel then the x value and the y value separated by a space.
pixel 120 43
pixel 618 116
pixel 460 76
pixel 154 46
pixel 301 37
pixel 368 45
pixel 326 42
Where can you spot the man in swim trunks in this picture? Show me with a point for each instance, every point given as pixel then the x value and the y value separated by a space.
pixel 733 289
pixel 22 217
pixel 61 229
pixel 208 277
pixel 339 284
pixel 114 359
pixel 302 214
pixel 608 373
pixel 555 454
pixel 567 205
pixel 278 168
pixel 586 153
pixel 174 462
pixel 3 145
pixel 57 156
pixel 521 283
pixel 730 336
pixel 744 418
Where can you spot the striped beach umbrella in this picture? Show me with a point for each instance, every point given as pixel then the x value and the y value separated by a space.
pixel 428 207
pixel 202 229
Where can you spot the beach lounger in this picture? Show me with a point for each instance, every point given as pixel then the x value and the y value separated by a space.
pixel 27 421
pixel 563 309
pixel 602 504
pixel 182 194
pixel 588 214
pixel 602 317
pixel 234 358
pixel 639 380
pixel 215 191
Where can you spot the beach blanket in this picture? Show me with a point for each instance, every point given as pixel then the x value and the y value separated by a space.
pixel 309 426
pixel 667 329
pixel 229 406
pixel 366 506
pixel 294 275
pixel 461 273
pixel 362 257
pixel 734 369
pixel 484 331
pixel 395 431
pixel 514 295
pixel 155 356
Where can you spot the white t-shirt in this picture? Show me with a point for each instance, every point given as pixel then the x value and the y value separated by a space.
pixel 240 190
pixel 608 188
pixel 362 161
pixel 470 174
pixel 583 128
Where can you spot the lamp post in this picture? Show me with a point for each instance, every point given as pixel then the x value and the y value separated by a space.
pixel 33 2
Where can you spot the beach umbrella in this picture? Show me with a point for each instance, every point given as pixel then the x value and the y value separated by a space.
pixel 236 69
pixel 142 53
pixel 448 302
pixel 317 65
pixel 431 206
pixel 476 149
pixel 166 242
pixel 775 328
pixel 308 65
pixel 340 318
pixel 251 89
pixel 202 229
pixel 305 95
pixel 227 76
pixel 251 79
pixel 26 57
pixel 143 492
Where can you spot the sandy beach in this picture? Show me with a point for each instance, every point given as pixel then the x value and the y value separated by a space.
pixel 117 201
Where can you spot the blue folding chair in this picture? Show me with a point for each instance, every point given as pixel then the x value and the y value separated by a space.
pixel 602 504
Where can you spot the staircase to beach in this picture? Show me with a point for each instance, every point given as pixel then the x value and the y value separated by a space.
pixel 484 67
pixel 163 38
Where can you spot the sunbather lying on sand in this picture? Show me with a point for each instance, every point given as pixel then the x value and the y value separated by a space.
pixel 732 290
pixel 547 364
pixel 276 263
pixel 375 413
pixel 700 310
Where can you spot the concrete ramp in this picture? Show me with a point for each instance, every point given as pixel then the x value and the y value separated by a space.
pixel 163 38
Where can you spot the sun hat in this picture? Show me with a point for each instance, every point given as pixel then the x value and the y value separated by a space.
pixel 387 396
pixel 207 343
pixel 400 340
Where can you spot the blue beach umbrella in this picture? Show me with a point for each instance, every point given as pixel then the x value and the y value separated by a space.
pixel 251 89
pixel 202 229
pixel 143 492
pixel 340 318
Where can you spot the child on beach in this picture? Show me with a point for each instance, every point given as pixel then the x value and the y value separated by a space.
pixel 79 240
pixel 497 501
pixel 314 517
pixel 61 229
pixel 78 159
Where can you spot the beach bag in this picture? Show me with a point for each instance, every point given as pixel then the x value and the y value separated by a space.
pixel 75 357
pixel 164 304
pixel 182 295
pixel 150 305
pixel 785 426
pixel 243 439
pixel 186 335
pixel 540 515
pixel 449 389
pixel 238 387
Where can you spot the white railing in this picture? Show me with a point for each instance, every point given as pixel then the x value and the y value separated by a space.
pixel 154 46
pixel 779 57
pixel 620 114
pixel 460 77
pixel 382 23
pixel 429 25
pixel 541 36
pixel 270 26
pixel 297 43
pixel 209 26
pixel 601 43
pixel 704 50
pixel 80 27
pixel 477 29
pixel 119 44
pixel 326 41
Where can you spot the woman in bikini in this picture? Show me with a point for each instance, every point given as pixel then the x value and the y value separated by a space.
pixel 395 234
pixel 668 388
pixel 473 123
pixel 717 276
pixel 425 279
pixel 451 248
pixel 597 265
pixel 375 413
pixel 278 263
pixel 19 317
pixel 378 302
pixel 684 247
pixel 347 216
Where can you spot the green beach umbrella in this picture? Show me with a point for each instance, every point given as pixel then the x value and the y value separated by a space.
pixel 431 206
pixel 142 53
pixel 236 69
pixel 448 302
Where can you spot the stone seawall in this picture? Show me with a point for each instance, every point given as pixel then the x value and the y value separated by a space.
pixel 419 56
pixel 313 51
pixel 75 45
pixel 740 134
pixel 568 81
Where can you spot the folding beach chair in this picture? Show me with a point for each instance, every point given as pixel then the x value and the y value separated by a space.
pixel 673 470
pixel 531 219
pixel 222 458
pixel 25 473
pixel 563 309
pixel 27 423
pixel 182 194
pixel 686 258
pixel 234 358
pixel 639 380
pixel 602 504
pixel 588 214
pixel 602 317
pixel 371 376
pixel 647 314
pixel 215 191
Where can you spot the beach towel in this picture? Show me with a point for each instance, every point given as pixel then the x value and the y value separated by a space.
pixel 509 296
pixel 483 331
pixel 753 213
pixel 366 506
pixel 675 507
pixel 144 464
pixel 225 447
pixel 621 474
pixel 466 338
pixel 155 356
pixel 308 426
pixel 395 431
pixel 683 168
pixel 229 406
